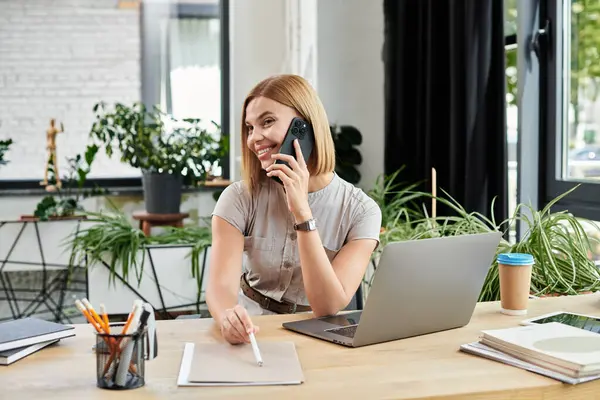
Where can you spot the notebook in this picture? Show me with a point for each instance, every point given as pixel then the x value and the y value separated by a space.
pixel 478 349
pixel 27 331
pixel 8 357
pixel 574 350
pixel 223 364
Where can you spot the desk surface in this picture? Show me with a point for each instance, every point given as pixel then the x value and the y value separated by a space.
pixel 429 366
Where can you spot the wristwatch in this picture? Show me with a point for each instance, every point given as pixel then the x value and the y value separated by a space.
pixel 309 225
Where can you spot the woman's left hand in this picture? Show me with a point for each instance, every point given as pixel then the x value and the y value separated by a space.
pixel 295 182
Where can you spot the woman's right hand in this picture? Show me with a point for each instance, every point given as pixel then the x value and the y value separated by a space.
pixel 236 325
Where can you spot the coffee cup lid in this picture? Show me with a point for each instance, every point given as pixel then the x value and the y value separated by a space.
pixel 515 259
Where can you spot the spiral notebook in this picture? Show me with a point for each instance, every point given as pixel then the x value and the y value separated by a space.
pixel 222 364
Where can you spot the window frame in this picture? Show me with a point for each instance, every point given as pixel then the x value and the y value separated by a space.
pixel 183 10
pixel 585 200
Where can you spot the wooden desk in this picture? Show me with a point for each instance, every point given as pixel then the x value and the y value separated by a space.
pixel 429 366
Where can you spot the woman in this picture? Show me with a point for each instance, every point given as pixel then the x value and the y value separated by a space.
pixel 308 240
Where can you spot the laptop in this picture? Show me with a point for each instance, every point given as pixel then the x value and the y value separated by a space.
pixel 420 286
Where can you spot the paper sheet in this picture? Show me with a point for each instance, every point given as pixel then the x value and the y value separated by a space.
pixel 221 364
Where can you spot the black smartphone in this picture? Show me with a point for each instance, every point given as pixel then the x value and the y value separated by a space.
pixel 303 131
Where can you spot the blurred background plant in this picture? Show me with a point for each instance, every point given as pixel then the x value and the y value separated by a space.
pixel 155 142
pixel 111 239
pixel 66 200
pixel 346 138
pixel 4 146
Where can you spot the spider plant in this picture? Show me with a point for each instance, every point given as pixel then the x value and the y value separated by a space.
pixel 561 249
pixel 399 209
pixel 557 240
pixel 199 238
pixel 114 241
pixel 111 239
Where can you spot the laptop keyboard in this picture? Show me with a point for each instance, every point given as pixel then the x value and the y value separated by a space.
pixel 347 331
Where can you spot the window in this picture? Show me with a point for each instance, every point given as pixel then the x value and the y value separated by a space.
pixel 185 63
pixel 510 43
pixel 58 60
pixel 192 80
pixel 570 103
pixel 192 68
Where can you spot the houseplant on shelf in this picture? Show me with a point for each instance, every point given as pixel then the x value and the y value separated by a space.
pixel 64 202
pixel 170 153
pixel 110 239
pixel 4 146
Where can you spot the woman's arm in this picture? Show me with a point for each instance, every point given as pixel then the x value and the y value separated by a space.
pixel 329 286
pixel 228 223
pixel 225 268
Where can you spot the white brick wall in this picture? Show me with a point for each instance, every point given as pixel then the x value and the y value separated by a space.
pixel 57 59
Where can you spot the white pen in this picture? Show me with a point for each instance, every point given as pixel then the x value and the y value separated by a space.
pixel 255 349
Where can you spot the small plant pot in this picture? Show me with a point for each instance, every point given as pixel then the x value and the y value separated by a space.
pixel 162 192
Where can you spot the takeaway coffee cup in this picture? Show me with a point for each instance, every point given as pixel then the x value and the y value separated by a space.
pixel 515 282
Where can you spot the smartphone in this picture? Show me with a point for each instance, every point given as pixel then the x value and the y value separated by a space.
pixel 303 131
pixel 582 321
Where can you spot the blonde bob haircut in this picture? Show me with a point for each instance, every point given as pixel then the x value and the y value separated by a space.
pixel 295 92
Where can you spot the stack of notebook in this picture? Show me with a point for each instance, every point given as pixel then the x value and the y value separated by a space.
pixel 22 337
pixel 559 351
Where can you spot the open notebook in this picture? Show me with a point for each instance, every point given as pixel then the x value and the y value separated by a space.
pixel 221 364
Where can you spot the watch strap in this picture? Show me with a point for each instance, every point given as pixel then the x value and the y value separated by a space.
pixel 309 225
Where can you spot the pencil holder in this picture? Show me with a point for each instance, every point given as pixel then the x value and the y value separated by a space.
pixel 120 359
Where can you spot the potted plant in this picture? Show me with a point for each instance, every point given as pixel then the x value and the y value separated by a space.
pixel 65 200
pixel 4 146
pixel 561 248
pixel 170 153
pixel 345 140
pixel 109 239
pixel 560 244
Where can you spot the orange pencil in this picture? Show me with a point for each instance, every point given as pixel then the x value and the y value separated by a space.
pixel 91 320
pixel 93 313
pixel 99 328
pixel 128 322
pixel 105 318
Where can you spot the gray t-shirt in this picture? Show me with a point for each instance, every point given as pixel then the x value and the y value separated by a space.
pixel 342 211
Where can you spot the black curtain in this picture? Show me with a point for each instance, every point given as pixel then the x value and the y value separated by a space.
pixel 445 99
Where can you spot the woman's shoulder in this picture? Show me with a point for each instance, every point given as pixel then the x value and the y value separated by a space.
pixel 240 192
pixel 237 188
pixel 362 212
pixel 357 197
pixel 235 193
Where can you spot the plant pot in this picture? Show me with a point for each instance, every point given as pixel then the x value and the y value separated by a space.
pixel 162 192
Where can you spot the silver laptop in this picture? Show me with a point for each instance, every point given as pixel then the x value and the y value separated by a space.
pixel 420 287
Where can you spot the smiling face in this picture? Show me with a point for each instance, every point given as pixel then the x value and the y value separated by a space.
pixel 267 122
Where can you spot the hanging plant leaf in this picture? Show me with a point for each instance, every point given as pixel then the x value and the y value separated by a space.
pixel 345 137
pixel 351 134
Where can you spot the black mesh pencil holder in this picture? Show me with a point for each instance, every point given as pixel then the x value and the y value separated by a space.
pixel 120 359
